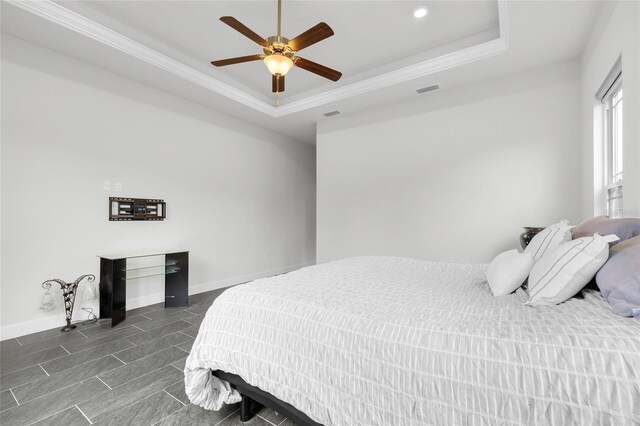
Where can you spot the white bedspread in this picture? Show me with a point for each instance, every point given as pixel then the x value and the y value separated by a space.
pixel 395 341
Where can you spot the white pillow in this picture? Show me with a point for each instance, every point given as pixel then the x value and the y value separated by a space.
pixel 508 271
pixel 564 271
pixel 548 239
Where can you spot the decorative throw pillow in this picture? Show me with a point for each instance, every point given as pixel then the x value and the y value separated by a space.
pixel 565 270
pixel 548 239
pixel 619 278
pixel 508 271
pixel 624 228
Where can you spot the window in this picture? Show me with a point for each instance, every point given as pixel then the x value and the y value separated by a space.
pixel 609 132
pixel 613 152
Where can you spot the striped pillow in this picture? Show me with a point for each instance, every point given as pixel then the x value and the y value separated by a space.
pixel 548 239
pixel 564 271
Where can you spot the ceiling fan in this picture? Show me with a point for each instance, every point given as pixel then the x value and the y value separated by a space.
pixel 280 53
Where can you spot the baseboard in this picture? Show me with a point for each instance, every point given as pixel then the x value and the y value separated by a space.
pixel 31 326
pixel 214 285
pixel 41 324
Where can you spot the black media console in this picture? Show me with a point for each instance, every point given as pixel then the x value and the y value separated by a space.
pixel 114 276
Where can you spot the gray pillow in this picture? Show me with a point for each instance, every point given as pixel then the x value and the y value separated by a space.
pixel 619 278
pixel 624 228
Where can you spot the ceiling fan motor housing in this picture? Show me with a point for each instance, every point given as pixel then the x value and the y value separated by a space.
pixel 278 44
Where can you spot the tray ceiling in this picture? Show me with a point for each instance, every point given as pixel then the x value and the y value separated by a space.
pixel 384 53
pixel 368 35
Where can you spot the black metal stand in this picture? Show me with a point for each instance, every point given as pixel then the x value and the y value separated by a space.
pixel 69 294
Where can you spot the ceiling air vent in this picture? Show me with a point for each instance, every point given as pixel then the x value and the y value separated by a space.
pixel 427 89
pixel 331 114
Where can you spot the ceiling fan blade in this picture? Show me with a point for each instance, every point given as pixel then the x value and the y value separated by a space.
pixel 277 83
pixel 244 30
pixel 311 36
pixel 321 70
pixel 238 60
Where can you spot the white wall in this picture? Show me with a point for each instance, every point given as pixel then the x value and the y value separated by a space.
pixel 453 175
pixel 240 198
pixel 617 33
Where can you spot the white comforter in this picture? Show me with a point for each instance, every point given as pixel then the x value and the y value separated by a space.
pixel 395 341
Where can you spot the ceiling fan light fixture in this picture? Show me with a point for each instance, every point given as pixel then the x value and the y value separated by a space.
pixel 278 64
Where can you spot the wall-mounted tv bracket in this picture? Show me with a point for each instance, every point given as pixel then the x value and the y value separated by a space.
pixel 136 209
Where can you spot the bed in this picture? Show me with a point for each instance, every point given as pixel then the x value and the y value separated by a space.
pixel 397 341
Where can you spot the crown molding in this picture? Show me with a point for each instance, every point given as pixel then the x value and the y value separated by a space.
pixel 80 24
pixel 503 21
pixel 73 21
pixel 441 63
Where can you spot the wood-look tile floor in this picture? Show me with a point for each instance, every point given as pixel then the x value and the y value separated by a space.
pixel 131 374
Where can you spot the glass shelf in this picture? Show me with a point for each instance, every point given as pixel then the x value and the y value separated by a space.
pixel 115 256
pixel 149 267
pixel 173 271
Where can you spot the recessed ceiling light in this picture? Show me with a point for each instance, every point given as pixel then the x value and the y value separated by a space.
pixel 420 12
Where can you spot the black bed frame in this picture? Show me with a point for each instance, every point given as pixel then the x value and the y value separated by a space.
pixel 254 398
